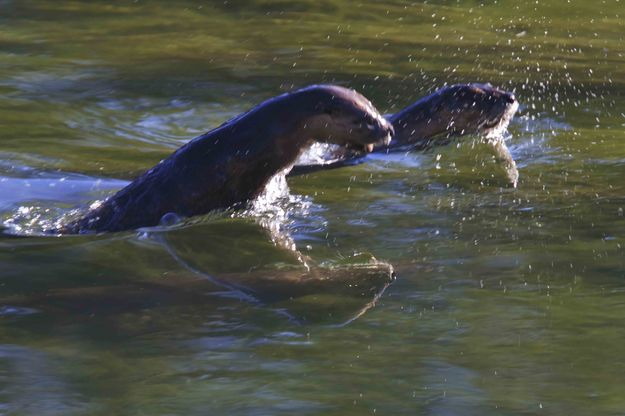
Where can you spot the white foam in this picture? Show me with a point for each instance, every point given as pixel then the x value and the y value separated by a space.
pixel 319 154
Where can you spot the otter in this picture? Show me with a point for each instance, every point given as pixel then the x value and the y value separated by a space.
pixel 434 120
pixel 230 165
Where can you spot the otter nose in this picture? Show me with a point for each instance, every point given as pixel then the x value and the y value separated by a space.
pixel 389 131
pixel 509 97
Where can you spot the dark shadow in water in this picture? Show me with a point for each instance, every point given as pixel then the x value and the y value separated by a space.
pixel 334 295
pixel 305 292
pixel 231 260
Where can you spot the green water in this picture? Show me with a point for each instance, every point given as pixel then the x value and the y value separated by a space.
pixel 506 302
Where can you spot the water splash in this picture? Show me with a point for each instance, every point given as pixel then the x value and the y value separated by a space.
pixel 498 131
pixel 504 156
pixel 272 210
pixel 43 201
pixel 320 154
pixel 13 311
pixel 33 220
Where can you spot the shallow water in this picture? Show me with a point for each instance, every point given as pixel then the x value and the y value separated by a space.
pixel 506 301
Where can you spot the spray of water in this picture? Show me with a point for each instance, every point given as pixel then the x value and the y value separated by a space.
pixel 272 210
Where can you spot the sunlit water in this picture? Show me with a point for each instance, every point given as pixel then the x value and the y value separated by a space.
pixel 506 301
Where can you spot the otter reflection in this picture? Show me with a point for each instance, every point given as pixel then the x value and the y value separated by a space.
pixel 218 264
pixel 333 291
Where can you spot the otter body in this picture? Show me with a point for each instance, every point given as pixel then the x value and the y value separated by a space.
pixel 231 165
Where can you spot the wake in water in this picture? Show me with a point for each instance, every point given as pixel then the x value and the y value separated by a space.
pixel 35 205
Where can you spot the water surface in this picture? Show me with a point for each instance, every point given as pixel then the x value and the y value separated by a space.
pixel 506 302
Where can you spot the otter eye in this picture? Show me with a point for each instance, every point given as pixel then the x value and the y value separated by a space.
pixel 370 121
pixel 329 111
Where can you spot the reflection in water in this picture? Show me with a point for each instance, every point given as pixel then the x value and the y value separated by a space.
pixel 337 293
pixel 31 384
pixel 330 294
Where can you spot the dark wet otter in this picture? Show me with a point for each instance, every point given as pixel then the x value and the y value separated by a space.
pixel 229 166
pixel 431 121
pixel 453 111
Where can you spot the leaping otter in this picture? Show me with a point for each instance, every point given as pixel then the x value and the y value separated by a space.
pixel 431 121
pixel 231 165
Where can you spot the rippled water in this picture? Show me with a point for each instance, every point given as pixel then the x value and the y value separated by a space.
pixel 506 301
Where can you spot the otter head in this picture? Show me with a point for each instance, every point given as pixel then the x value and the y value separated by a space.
pixel 472 109
pixel 344 117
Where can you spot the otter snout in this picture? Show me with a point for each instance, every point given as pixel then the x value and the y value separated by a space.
pixel 494 93
pixel 385 132
pixel 380 134
pixel 509 97
pixel 346 118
